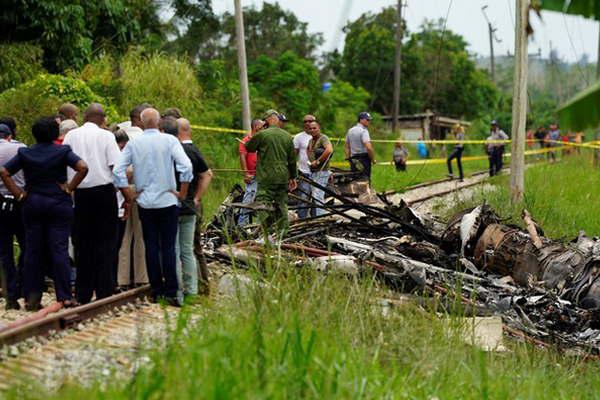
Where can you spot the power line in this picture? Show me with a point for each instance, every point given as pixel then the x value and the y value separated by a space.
pixel 587 83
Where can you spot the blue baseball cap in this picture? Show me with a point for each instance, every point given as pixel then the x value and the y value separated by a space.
pixel 364 115
pixel 5 131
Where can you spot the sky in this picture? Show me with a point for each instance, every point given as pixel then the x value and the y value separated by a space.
pixel 570 36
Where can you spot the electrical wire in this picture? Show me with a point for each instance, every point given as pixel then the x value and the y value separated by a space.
pixel 584 78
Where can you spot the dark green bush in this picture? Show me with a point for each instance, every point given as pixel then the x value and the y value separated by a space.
pixel 19 62
pixel 42 96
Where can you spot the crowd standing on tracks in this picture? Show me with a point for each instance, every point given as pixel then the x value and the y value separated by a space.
pixel 122 203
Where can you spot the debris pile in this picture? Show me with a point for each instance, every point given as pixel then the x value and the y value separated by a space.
pixel 546 292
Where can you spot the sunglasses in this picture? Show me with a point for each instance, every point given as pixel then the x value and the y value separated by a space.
pixel 308 121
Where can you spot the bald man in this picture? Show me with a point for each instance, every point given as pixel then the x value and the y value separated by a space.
pixel 68 111
pixel 189 214
pixel 95 226
pixel 155 158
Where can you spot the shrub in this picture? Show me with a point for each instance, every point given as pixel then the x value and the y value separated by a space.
pixel 102 76
pixel 19 62
pixel 164 81
pixel 42 96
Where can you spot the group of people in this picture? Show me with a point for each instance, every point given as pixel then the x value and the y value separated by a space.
pixel 494 148
pixel 275 163
pixel 552 137
pixel 127 197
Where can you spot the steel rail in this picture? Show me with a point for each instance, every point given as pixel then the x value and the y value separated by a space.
pixel 67 318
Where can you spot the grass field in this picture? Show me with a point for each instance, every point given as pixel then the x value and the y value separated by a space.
pixel 302 335
pixel 562 197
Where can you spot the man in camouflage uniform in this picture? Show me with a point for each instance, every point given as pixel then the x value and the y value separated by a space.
pixel 275 171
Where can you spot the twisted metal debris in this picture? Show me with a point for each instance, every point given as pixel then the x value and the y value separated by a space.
pixel 547 292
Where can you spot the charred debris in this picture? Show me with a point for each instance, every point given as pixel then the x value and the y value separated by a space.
pixel 547 292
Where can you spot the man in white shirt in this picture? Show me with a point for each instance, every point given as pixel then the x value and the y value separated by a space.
pixel 95 228
pixel 133 234
pixel 301 141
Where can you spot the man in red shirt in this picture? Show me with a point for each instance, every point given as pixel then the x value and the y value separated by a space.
pixel 248 164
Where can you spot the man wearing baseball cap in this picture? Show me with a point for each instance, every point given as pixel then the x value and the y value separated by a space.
pixel 358 148
pixel 11 223
pixel 275 171
pixel 495 149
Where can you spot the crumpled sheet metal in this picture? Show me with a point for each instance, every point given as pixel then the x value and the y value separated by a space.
pixel 552 295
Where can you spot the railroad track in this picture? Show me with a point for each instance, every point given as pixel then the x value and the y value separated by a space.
pixel 82 343
pixel 53 319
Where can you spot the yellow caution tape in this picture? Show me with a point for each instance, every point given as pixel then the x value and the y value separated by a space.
pixel 443 160
pixel 594 144
pixel 215 129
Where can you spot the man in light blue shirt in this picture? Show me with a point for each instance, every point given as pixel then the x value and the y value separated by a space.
pixel 155 157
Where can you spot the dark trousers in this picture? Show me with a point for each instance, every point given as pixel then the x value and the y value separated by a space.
pixel 47 221
pixel 11 226
pixel 456 153
pixel 159 226
pixel 495 158
pixel 361 160
pixel 95 233
pixel 400 165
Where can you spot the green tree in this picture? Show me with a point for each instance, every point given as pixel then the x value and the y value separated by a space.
pixel 19 62
pixel 195 27
pixel 71 31
pixel 437 72
pixel 270 31
pixel 289 81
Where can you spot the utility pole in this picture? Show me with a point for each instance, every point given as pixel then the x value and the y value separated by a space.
pixel 519 106
pixel 492 35
pixel 241 52
pixel 598 60
pixel 397 68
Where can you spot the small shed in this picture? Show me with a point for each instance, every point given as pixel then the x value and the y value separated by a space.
pixel 426 126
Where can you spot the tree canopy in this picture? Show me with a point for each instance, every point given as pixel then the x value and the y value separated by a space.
pixel 438 73
pixel 70 32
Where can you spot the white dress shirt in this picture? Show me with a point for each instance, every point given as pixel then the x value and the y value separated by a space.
pixel 98 148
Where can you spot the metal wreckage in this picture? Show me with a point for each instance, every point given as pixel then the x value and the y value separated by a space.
pixel 546 292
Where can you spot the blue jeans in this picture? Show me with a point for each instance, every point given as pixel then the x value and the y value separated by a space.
pixel 47 221
pixel 321 177
pixel 159 226
pixel 249 197
pixel 187 267
pixel 304 192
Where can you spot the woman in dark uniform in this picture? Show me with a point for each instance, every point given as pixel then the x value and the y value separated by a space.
pixel 47 209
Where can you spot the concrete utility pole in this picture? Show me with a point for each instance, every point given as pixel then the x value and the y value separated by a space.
pixel 397 68
pixel 241 51
pixel 519 107
pixel 492 34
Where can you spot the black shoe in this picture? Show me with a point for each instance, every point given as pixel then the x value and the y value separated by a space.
pixel 12 304
pixel 172 301
pixel 33 306
pixel 33 302
pixel 70 303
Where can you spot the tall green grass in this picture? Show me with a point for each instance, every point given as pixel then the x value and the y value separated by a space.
pixel 303 335
pixel 562 197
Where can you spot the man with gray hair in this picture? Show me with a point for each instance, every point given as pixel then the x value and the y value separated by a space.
pixel 155 157
pixel 65 127
pixel 95 225
pixel 190 213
